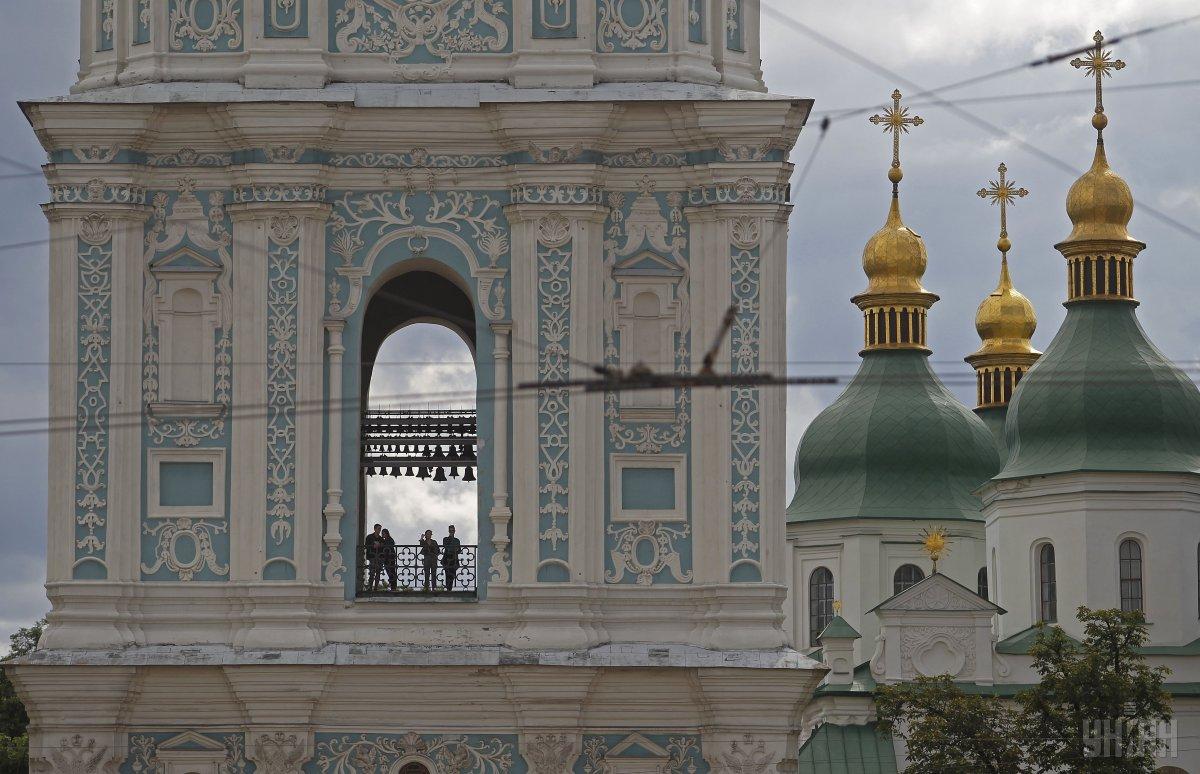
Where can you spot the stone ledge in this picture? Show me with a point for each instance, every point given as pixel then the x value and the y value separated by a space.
pixel 413 95
pixel 630 655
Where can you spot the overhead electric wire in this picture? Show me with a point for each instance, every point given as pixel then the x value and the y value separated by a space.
pixel 958 110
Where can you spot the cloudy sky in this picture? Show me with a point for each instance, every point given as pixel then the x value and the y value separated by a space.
pixel 1151 142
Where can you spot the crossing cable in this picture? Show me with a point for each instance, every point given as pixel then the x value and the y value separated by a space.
pixel 958 110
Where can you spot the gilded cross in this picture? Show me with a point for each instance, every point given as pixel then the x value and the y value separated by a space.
pixel 1097 64
pixel 1003 192
pixel 896 121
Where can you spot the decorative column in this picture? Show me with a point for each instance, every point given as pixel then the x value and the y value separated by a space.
pixel 280 236
pixel 501 512
pixel 334 510
pixel 95 481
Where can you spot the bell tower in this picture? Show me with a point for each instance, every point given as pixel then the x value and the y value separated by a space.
pixel 247 196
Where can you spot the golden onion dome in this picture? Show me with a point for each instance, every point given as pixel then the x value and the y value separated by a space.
pixel 1100 203
pixel 1006 320
pixel 895 258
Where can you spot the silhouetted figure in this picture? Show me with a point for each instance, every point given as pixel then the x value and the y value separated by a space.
pixel 429 559
pixel 451 548
pixel 373 546
pixel 389 557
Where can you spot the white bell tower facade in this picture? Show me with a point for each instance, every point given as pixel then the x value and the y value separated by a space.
pixel 247 196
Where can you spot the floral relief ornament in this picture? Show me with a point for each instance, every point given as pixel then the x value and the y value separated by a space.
pixel 648 34
pixel 664 555
pixel 279 753
pixel 443 27
pixel 74 755
pixel 187 23
pixel 750 756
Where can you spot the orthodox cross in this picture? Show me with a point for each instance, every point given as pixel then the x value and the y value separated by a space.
pixel 896 121
pixel 1003 192
pixel 1097 64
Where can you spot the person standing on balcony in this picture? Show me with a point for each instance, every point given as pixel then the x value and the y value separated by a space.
pixel 373 548
pixel 451 548
pixel 429 559
pixel 389 557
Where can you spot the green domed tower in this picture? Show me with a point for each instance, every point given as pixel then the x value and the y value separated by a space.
pixel 1099 495
pixel 894 453
pixel 1005 322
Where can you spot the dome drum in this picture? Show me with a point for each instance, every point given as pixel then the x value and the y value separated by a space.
pixel 1100 270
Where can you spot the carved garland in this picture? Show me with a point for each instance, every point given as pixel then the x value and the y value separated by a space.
pixel 554 343
pixel 94 297
pixel 282 343
pixel 745 421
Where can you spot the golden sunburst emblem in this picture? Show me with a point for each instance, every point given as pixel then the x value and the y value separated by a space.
pixel 936 543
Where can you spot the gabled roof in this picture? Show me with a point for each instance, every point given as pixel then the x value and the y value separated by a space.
pixel 839 628
pixel 848 750
pixel 939 593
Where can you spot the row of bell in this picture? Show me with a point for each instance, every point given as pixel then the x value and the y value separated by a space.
pixel 439 473
pixel 436 453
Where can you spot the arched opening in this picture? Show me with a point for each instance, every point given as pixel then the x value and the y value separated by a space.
pixel 414 767
pixel 981 583
pixel 907 576
pixel 419 439
pixel 1132 592
pixel 820 603
pixel 1047 585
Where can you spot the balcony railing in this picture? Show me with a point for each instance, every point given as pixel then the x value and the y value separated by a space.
pixel 374 578
pixel 423 444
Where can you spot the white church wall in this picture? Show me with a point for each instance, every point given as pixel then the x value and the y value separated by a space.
pixel 1086 517
pixel 864 556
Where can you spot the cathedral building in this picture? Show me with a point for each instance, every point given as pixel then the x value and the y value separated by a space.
pixel 247 197
pixel 1073 483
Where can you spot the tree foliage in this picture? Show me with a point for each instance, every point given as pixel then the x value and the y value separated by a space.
pixel 947 730
pixel 1097 708
pixel 14 738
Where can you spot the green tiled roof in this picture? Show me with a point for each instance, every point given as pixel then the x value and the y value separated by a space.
pixel 1103 398
pixel 1020 643
pixel 838 628
pixel 848 750
pixel 895 444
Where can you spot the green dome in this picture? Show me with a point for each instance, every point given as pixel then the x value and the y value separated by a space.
pixel 1103 398
pixel 895 444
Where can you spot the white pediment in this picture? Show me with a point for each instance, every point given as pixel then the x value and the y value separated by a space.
pixel 937 593
pixel 649 263
pixel 190 740
pixel 635 739
pixel 185 260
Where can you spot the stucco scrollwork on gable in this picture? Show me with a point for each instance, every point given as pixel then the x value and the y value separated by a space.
pixel 937 650
pixel 442 28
